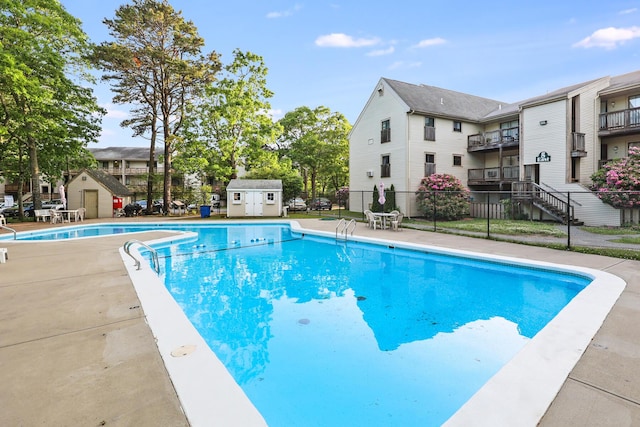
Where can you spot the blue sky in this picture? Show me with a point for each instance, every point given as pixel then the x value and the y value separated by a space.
pixel 332 53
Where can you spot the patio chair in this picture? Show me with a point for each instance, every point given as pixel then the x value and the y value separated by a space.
pixel 81 212
pixel 396 221
pixel 56 216
pixel 372 221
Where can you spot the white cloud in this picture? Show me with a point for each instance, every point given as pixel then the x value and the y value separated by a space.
pixel 382 52
pixel 628 11
pixel 430 42
pixel 609 38
pixel 284 13
pixel 404 64
pixel 114 113
pixel 343 40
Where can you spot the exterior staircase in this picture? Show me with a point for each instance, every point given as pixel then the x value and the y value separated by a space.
pixel 548 202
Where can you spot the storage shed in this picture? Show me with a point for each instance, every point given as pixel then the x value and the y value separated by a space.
pixel 254 197
pixel 99 193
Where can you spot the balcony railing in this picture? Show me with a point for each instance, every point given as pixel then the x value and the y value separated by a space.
pixel 429 133
pixel 493 139
pixel 429 169
pixel 126 171
pixel 577 145
pixel 620 121
pixel 489 175
pixel 385 135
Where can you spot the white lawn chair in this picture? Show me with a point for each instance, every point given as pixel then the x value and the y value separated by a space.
pixel 396 221
pixel 56 216
pixel 372 220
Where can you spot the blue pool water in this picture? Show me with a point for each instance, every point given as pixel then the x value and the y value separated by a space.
pixel 320 333
pixel 326 333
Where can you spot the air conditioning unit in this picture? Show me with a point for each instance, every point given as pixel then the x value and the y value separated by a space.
pixel 370 174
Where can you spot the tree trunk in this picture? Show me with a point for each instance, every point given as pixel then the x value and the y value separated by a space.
pixel 152 169
pixel 35 175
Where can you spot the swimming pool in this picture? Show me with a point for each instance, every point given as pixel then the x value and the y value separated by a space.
pixel 181 338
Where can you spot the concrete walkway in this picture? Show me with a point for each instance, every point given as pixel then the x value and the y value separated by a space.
pixel 75 348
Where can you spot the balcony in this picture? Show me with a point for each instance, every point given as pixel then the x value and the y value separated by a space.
pixel 488 176
pixel 493 140
pixel 619 122
pixel 385 135
pixel 429 133
pixel 126 171
pixel 577 145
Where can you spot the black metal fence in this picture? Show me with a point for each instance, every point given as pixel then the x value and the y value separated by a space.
pixel 432 210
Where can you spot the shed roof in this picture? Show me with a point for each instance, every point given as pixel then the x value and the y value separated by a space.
pixel 108 181
pixel 255 184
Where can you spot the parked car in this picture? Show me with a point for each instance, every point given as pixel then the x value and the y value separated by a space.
pixel 297 204
pixel 52 204
pixel 12 212
pixel 321 203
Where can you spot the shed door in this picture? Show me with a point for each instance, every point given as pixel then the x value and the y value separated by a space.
pixel 253 203
pixel 91 203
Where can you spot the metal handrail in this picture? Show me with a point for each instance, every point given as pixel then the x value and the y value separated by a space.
pixel 343 227
pixel 154 254
pixel 10 229
pixel 341 222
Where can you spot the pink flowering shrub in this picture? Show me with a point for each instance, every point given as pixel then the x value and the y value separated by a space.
pixel 445 194
pixel 618 182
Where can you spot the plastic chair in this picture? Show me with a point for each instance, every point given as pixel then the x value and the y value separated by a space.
pixel 56 216
pixel 396 221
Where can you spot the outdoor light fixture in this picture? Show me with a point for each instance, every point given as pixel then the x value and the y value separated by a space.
pixel 543 122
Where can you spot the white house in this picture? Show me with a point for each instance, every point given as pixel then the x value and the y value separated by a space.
pixel 551 144
pixel 254 197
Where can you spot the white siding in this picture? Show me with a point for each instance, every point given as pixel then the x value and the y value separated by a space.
pixel 550 138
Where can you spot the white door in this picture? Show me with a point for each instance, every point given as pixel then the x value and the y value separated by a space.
pixel 253 203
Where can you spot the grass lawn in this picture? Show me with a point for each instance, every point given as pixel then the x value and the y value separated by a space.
pixel 499 226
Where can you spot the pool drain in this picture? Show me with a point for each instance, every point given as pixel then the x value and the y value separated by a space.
pixel 184 350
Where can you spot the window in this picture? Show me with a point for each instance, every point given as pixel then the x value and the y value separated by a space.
pixel 104 165
pixel 271 198
pixel 429 164
pixel 457 160
pixel 237 198
pixel 634 101
pixel 429 129
pixel 457 126
pixel 385 167
pixel 510 130
pixel 385 132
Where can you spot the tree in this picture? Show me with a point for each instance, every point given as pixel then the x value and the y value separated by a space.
pixel 618 182
pixel 155 63
pixel 282 170
pixel 231 121
pixel 317 142
pixel 442 196
pixel 47 117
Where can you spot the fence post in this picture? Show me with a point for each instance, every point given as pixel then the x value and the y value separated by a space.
pixel 569 219
pixel 434 210
pixel 488 215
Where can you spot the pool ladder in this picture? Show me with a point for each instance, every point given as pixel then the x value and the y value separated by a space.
pixel 4 227
pixel 343 228
pixel 154 254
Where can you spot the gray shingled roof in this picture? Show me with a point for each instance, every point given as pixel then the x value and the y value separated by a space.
pixel 110 182
pixel 254 184
pixel 436 101
pixel 629 80
pixel 124 153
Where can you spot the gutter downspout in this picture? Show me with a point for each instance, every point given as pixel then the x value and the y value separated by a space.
pixel 407 169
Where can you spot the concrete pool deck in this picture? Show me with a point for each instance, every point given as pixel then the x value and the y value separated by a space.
pixel 71 354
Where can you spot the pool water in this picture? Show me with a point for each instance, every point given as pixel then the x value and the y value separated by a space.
pixel 319 332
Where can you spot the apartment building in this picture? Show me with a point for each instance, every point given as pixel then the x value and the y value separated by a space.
pixel 548 145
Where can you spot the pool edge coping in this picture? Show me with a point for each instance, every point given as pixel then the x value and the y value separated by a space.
pixel 496 403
